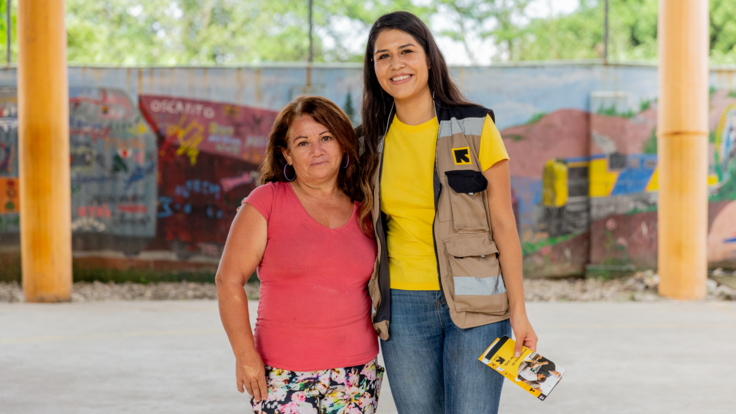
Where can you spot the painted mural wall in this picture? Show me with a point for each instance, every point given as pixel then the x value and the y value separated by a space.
pixel 161 157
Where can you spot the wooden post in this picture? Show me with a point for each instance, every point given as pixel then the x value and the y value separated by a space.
pixel 43 141
pixel 682 138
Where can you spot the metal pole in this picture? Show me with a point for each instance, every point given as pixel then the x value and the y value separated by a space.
pixel 9 27
pixel 682 139
pixel 311 50
pixel 605 34
pixel 43 149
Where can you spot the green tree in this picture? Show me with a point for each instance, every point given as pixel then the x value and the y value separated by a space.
pixel 193 32
pixel 496 19
pixel 632 34
pixel 579 35
pixel 722 31
pixel 4 28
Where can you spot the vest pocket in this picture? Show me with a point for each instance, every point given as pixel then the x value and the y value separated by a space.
pixel 476 276
pixel 468 210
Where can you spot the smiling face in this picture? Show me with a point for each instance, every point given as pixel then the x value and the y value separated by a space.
pixel 401 65
pixel 313 151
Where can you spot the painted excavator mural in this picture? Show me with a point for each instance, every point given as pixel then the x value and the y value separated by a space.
pixel 600 209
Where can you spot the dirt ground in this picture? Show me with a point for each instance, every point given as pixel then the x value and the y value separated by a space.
pixel 640 287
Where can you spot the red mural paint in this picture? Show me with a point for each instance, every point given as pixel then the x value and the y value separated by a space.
pixel 133 208
pixel 209 157
pixel 195 127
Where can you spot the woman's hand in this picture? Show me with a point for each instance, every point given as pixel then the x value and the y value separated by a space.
pixel 523 332
pixel 251 375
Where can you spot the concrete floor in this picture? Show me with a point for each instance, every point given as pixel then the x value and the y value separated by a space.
pixel 174 357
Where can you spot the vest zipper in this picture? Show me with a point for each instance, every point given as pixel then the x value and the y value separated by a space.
pixel 437 192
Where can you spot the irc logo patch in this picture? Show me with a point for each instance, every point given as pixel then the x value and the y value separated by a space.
pixel 461 156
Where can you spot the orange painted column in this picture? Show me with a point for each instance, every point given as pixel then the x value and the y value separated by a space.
pixel 43 149
pixel 682 140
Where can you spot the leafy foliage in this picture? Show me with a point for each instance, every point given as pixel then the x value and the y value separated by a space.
pixel 196 32
pixel 206 32
pixel 632 32
pixel 4 28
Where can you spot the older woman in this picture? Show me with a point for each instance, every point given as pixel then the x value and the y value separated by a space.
pixel 307 231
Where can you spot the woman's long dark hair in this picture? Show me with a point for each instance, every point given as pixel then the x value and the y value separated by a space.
pixel 377 103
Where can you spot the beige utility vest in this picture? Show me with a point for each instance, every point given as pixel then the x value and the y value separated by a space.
pixel 467 258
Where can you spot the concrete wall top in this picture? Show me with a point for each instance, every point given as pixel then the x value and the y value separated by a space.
pixel 517 91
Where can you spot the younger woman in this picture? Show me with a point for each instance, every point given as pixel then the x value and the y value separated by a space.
pixel 449 276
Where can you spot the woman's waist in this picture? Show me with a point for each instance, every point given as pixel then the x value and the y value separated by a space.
pixel 307 321
pixel 278 338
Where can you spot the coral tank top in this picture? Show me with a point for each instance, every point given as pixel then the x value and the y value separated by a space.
pixel 314 309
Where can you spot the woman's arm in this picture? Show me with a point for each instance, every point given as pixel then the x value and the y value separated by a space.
pixel 509 249
pixel 243 251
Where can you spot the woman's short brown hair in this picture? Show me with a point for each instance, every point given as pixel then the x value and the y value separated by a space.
pixel 353 180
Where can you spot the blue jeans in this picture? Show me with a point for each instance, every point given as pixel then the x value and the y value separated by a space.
pixel 433 365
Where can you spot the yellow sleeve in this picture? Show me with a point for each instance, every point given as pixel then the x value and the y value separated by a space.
pixel 492 149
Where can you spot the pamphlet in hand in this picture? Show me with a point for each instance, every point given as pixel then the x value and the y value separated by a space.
pixel 531 371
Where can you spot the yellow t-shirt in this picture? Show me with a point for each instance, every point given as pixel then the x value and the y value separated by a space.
pixel 407 198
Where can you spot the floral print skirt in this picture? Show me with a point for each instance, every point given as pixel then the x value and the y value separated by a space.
pixel 352 390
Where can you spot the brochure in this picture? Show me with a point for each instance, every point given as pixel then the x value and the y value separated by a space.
pixel 531 371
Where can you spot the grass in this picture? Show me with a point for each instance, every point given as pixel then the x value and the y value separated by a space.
pixel 536 118
pixel 514 137
pixel 650 145
pixel 529 248
pixel 611 111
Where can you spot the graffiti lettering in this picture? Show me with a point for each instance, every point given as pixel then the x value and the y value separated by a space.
pixel 92 179
pixel 168 208
pixel 102 211
pixel 139 173
pixel 234 150
pixel 128 198
pixel 198 187
pixel 230 183
pixel 94 132
pixel 221 130
pixel 6 163
pixel 223 140
pixel 87 224
pixel 165 203
pixel 97 133
pixel 256 142
pixel 174 106
pixel 9 111
pixel 133 208
pixel 132 221
pixel 189 137
pixel 6 124
pixel 214 212
pixel 109 97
